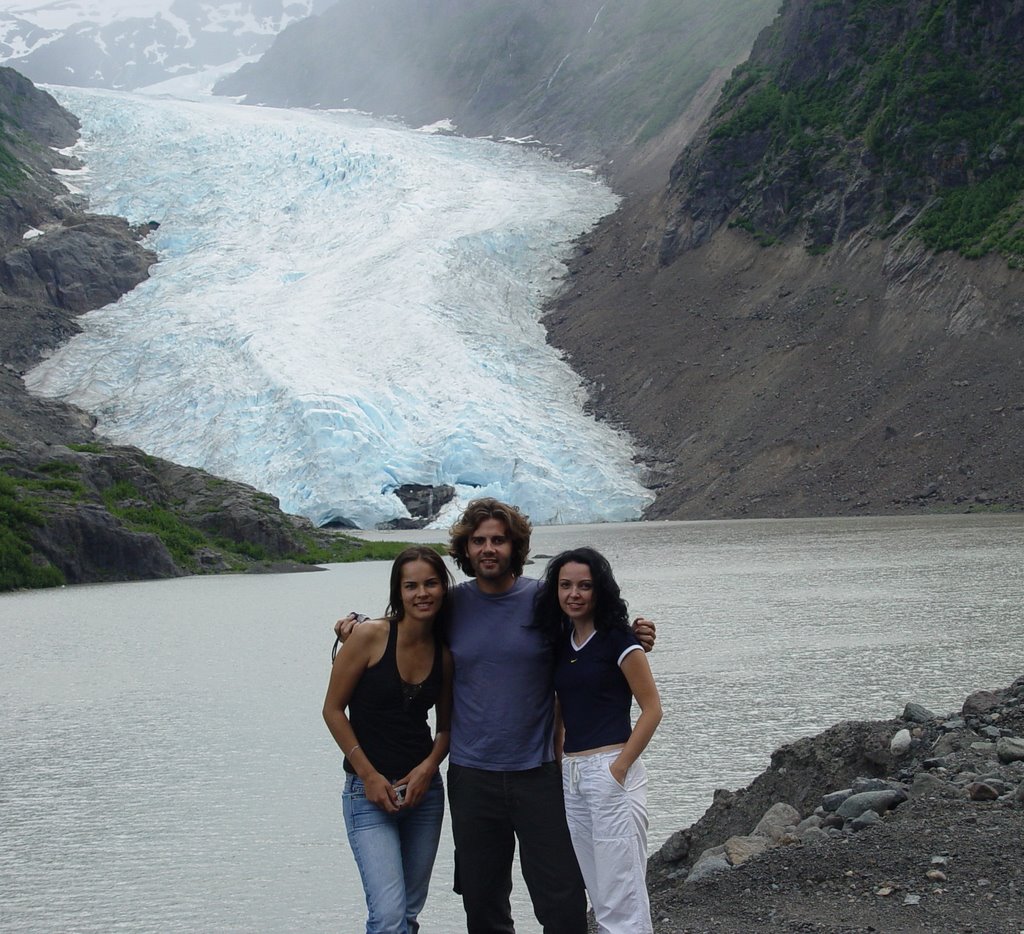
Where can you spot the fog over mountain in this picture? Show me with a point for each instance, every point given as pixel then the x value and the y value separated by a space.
pixel 594 81
pixel 125 44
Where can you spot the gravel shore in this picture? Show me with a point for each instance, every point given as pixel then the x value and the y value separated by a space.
pixel 943 850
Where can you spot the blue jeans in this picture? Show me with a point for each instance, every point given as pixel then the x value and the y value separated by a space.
pixel 395 855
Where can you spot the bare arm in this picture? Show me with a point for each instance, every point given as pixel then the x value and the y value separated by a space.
pixel 641 682
pixel 559 732
pixel 364 646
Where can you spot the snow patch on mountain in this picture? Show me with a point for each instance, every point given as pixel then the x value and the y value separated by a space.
pixel 121 44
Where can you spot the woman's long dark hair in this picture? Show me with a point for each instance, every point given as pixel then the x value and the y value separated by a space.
pixel 610 610
pixel 396 609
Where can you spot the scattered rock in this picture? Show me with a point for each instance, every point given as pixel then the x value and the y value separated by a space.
pixel 739 849
pixel 901 743
pixel 878 801
pixel 982 791
pixel 954 823
pixel 1010 749
pixel 864 820
pixel 915 713
pixel 778 819
pixel 981 702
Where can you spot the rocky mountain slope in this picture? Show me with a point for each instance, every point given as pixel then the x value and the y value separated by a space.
pixel 822 313
pixel 72 507
pixel 591 80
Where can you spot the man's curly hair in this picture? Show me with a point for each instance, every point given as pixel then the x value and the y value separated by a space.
pixel 517 527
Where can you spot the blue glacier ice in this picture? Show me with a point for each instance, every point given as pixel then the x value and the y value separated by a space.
pixel 341 306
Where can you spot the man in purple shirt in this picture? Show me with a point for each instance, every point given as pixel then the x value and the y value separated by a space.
pixel 504 784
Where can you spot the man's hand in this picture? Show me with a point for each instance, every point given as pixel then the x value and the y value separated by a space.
pixel 344 626
pixel 644 630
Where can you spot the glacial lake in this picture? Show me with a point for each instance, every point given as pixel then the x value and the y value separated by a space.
pixel 164 766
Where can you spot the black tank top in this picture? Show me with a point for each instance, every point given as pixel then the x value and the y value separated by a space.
pixel 389 716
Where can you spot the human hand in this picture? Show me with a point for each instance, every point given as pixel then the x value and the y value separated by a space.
pixel 417 784
pixel 379 791
pixel 344 626
pixel 645 631
pixel 619 772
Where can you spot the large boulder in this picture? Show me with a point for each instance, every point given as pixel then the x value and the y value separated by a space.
pixel 87 262
pixel 86 543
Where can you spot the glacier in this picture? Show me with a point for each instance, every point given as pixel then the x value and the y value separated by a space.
pixel 341 306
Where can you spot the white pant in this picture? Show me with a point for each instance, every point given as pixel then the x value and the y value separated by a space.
pixel 608 826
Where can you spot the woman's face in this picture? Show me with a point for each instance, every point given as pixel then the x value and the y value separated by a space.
pixel 576 592
pixel 422 591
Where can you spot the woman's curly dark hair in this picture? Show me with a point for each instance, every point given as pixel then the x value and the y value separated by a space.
pixel 610 610
pixel 517 528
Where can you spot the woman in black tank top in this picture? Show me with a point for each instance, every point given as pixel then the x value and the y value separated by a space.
pixel 383 683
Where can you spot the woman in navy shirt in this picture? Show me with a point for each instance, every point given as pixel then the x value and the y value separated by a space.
pixel 600 669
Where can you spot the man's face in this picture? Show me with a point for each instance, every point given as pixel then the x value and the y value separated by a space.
pixel 490 554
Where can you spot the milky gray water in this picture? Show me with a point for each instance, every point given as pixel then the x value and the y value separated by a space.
pixel 164 766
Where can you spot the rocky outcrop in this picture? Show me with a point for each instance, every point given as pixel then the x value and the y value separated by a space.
pixel 107 511
pixel 85 262
pixel 33 126
pixel 87 544
pixel 799 775
pixel 836 777
pixel 424 503
pixel 934 825
pixel 850 117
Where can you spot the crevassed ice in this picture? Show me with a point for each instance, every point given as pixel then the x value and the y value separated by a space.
pixel 340 307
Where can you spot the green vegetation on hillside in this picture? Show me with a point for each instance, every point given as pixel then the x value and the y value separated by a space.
pixel 938 106
pixel 18 569
pixel 12 172
pixel 25 504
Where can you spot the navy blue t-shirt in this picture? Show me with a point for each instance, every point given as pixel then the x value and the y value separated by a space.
pixel 592 690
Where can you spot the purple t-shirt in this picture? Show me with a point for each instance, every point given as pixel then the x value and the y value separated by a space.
pixel 503 693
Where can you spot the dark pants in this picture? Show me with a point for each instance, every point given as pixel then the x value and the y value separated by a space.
pixel 489 811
